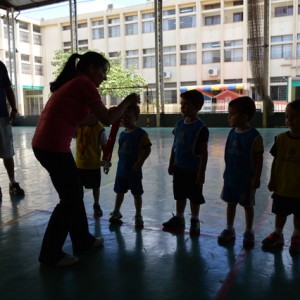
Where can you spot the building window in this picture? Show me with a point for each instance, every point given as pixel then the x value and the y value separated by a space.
pixel 83 45
pixel 82 25
pixel 298 50
pixel 148 27
pixel 98 29
pixel 169 60
pixel 188 58
pixel 238 17
pixel 26 68
pixel 233 54
pixel 211 45
pixel 132 59
pixel 97 33
pixel 187 21
pixel 170 96
pixel 212 6
pixel 66 27
pixel 25 57
pixel 283 11
pixel 115 56
pixel 24 36
pixel 212 20
pixel 132 62
pixel 169 56
pixel 149 58
pixel 38 70
pixel 281 51
pixel 113 21
pixel 114 31
pixel 131 29
pixel 38 59
pixel 97 23
pixel 131 18
pixel 169 24
pixel 169 12
pixel 185 10
pixel 33 102
pixel 37 39
pixel 36 28
pixel 209 57
pixel 23 25
pixel 148 16
pixel 278 92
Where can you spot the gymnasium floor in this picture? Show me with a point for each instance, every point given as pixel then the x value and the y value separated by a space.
pixel 146 264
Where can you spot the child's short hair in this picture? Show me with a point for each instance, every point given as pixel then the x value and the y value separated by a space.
pixel 294 104
pixel 244 105
pixel 195 96
pixel 135 109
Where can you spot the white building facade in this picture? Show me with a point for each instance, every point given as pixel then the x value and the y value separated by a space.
pixel 205 43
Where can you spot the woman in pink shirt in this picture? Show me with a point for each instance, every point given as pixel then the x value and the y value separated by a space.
pixel 74 97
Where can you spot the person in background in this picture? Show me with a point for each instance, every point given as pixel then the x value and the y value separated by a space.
pixel 6 137
pixel 134 148
pixel 284 181
pixel 90 142
pixel 243 165
pixel 188 162
pixel 74 97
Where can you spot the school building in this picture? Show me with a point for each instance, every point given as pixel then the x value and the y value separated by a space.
pixel 205 46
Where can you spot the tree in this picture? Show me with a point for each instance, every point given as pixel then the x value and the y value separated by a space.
pixel 120 82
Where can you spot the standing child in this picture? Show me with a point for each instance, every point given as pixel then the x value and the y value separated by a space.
pixel 285 179
pixel 90 140
pixel 188 162
pixel 243 165
pixel 134 148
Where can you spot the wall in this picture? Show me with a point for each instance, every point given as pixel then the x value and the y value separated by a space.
pixel 169 120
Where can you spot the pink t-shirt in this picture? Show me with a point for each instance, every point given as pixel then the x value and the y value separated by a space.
pixel 65 108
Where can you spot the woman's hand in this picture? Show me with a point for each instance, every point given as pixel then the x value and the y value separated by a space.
pixel 133 98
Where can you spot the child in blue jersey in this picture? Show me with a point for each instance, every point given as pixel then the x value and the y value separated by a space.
pixel 134 148
pixel 243 165
pixel 188 162
pixel 285 179
pixel 90 142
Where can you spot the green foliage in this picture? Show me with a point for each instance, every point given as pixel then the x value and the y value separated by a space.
pixel 120 82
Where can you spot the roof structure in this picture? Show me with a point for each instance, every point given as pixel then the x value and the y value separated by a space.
pixel 26 4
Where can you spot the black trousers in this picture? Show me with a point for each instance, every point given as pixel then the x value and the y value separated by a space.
pixel 69 216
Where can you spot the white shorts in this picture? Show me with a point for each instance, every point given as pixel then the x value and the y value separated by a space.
pixel 6 139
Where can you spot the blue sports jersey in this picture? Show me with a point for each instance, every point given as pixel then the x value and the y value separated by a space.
pixel 186 141
pixel 238 158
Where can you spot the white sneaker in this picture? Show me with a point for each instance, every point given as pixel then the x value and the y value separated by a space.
pixel 67 260
pixel 98 242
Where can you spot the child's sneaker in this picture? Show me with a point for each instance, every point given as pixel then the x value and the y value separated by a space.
pixel 115 217
pixel 295 244
pixel 15 189
pixel 195 227
pixel 248 240
pixel 139 222
pixel 274 240
pixel 226 237
pixel 174 224
pixel 98 213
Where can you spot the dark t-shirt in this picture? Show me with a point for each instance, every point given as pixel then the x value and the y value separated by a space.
pixel 4 82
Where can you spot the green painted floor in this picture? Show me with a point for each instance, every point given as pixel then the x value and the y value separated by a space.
pixel 149 263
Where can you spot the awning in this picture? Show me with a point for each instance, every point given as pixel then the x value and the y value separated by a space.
pixel 216 87
pixel 26 4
